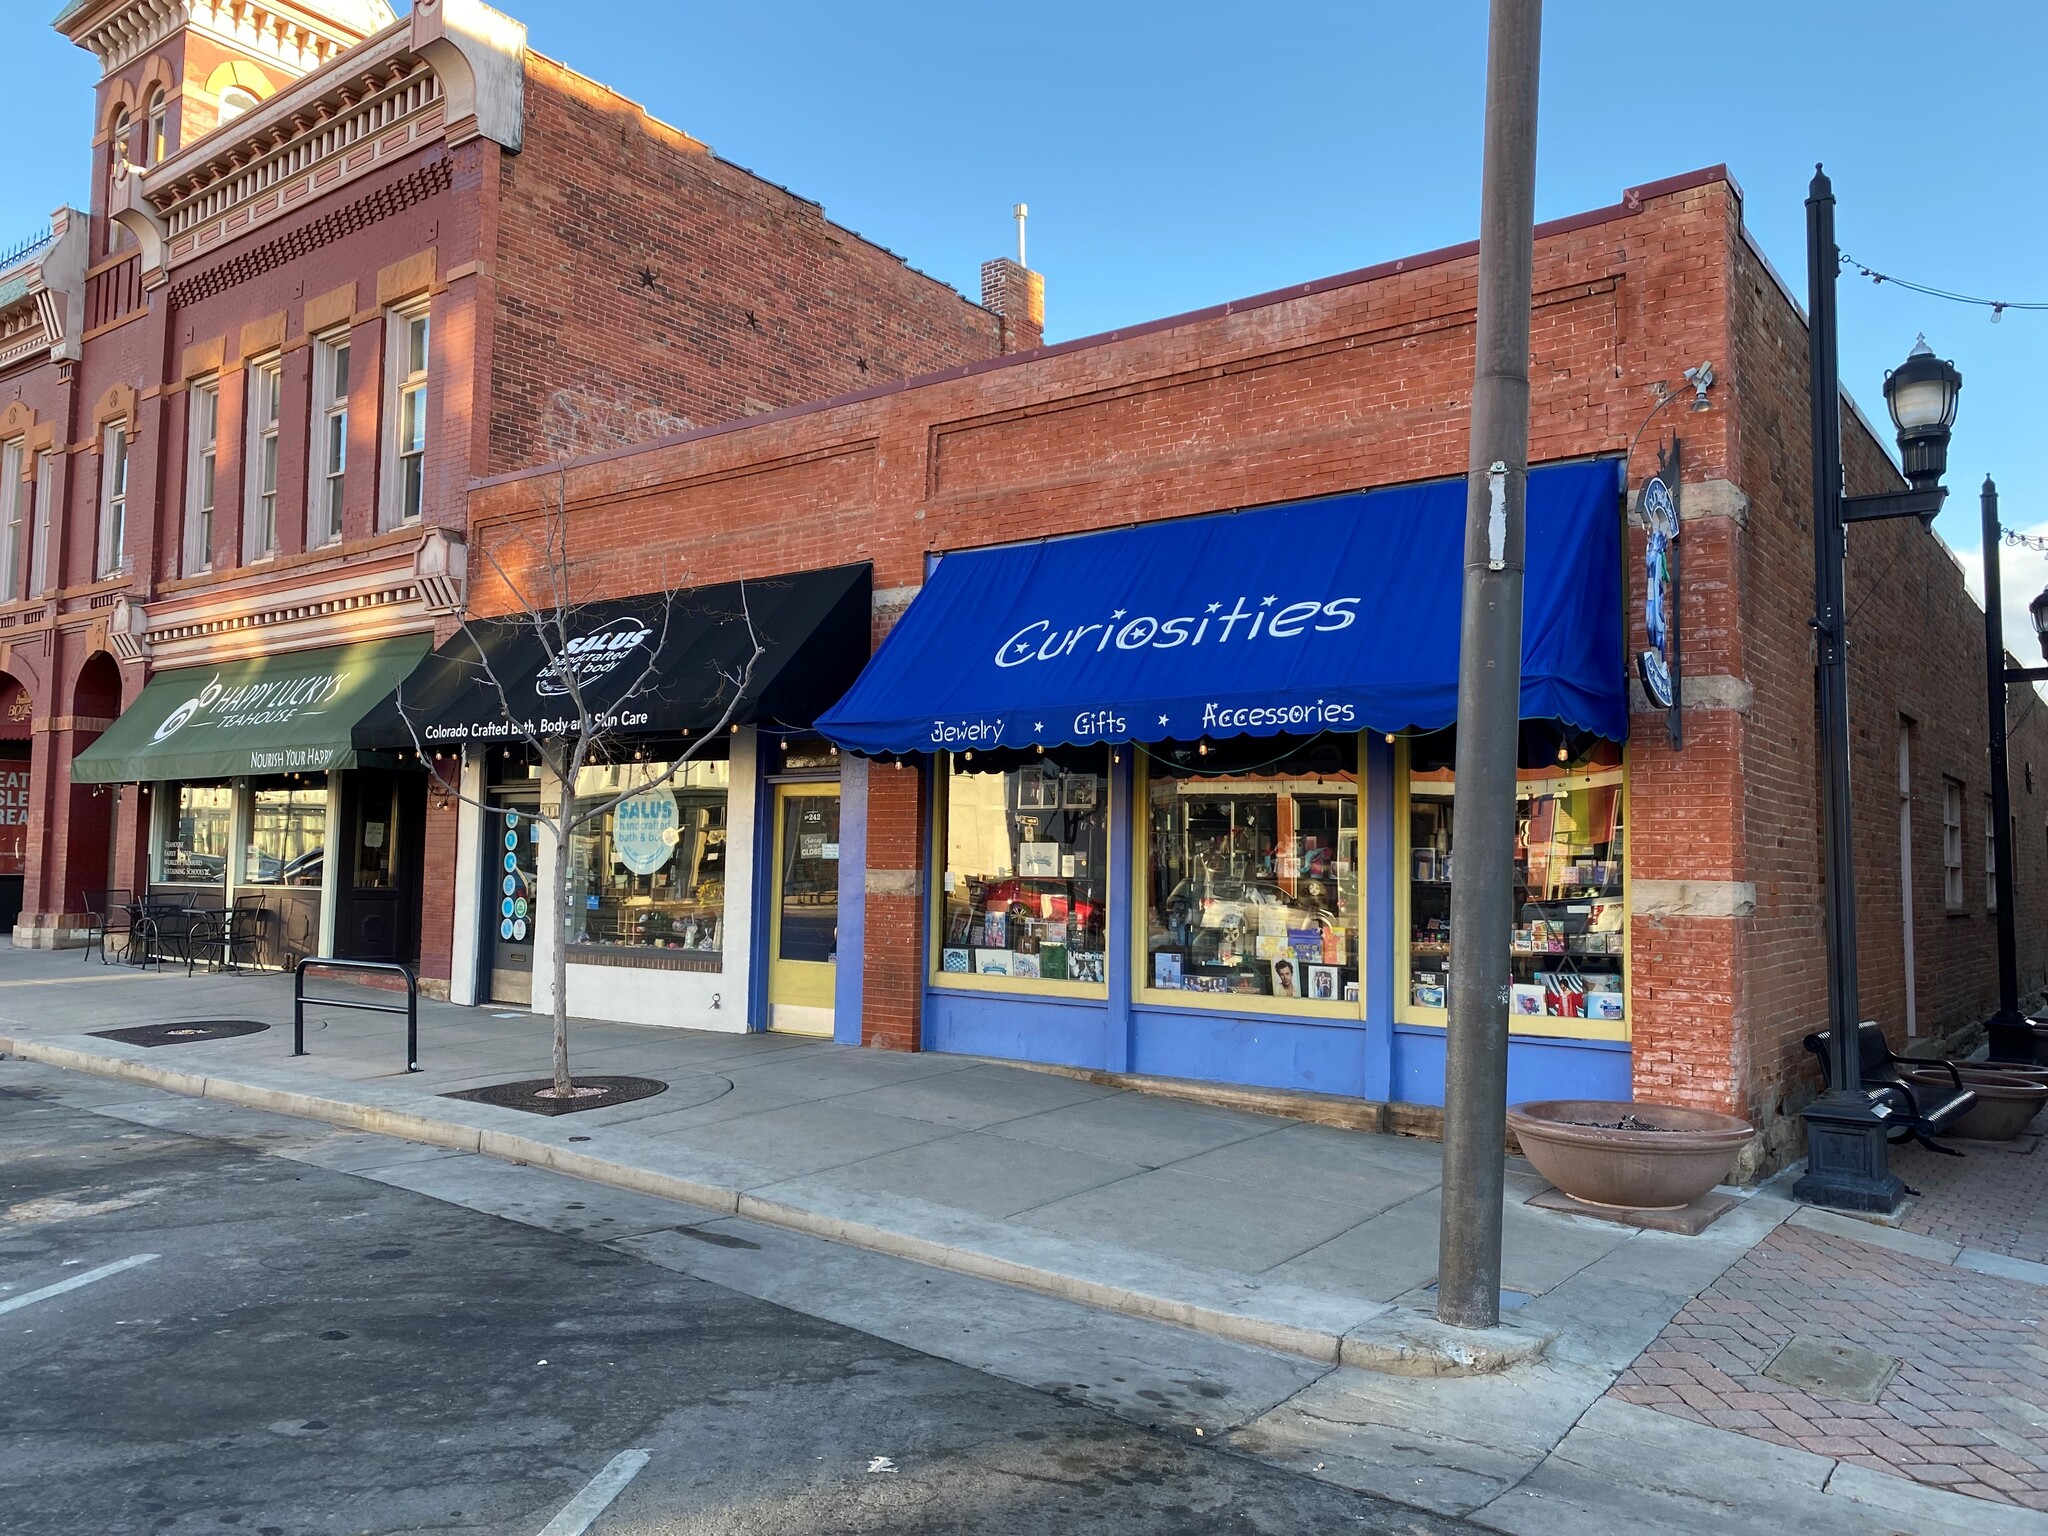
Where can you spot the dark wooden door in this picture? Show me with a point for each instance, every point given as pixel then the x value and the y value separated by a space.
pixel 377 887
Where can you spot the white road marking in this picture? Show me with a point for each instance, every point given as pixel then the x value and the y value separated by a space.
pixel 597 1495
pixel 75 1282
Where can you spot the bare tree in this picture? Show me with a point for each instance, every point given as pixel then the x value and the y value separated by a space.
pixel 588 736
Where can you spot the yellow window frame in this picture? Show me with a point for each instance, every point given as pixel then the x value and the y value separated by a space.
pixel 1405 1011
pixel 935 915
pixel 1144 994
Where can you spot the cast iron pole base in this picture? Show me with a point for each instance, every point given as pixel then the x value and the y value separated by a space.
pixel 1846 1166
pixel 2012 1038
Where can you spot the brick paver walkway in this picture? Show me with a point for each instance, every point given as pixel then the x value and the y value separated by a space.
pixel 1993 1197
pixel 1967 1409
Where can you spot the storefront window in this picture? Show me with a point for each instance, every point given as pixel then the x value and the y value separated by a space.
pixel 196 835
pixel 287 834
pixel 1570 913
pixel 1026 884
pixel 649 874
pixel 1252 871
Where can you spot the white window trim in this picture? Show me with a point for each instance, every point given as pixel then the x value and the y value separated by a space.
pixel 110 555
pixel 39 553
pixel 1952 845
pixel 202 403
pixel 16 523
pixel 398 382
pixel 327 405
pixel 263 417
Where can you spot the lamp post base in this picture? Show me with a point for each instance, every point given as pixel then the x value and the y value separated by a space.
pixel 1846 1163
pixel 2012 1038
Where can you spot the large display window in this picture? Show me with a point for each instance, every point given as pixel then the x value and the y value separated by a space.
pixel 1022 902
pixel 1570 926
pixel 198 834
pixel 1250 868
pixel 647 878
pixel 287 834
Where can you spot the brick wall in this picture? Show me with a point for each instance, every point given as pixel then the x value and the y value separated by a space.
pixel 1916 658
pixel 646 286
pixel 1353 382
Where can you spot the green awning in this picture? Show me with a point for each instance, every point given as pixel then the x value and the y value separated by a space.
pixel 274 714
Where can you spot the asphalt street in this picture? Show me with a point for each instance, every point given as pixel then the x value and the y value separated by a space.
pixel 292 1349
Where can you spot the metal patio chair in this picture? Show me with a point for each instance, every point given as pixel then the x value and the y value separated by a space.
pixel 109 914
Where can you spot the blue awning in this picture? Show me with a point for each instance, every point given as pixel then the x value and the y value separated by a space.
pixel 1339 614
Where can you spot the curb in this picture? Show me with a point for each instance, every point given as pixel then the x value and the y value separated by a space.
pixel 1395 1342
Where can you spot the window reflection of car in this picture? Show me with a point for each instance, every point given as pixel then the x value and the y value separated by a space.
pixel 1044 899
pixel 1215 907
pixel 306 869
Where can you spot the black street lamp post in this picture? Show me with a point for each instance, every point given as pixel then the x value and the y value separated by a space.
pixel 2012 1036
pixel 1846 1165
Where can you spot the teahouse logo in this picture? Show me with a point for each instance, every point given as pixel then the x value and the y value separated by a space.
pixel 589 657
pixel 267 702
pixel 1040 641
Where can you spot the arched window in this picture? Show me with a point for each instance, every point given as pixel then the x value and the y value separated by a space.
pixel 117 165
pixel 156 146
pixel 234 101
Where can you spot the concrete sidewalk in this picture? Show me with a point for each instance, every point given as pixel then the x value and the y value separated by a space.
pixel 1253 1229
pixel 1301 1238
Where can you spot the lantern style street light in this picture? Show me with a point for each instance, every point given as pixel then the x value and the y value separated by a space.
pixel 2012 1034
pixel 1921 393
pixel 1846 1126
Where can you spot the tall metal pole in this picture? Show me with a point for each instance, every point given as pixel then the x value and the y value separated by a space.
pixel 1490 683
pixel 1846 1162
pixel 2012 1038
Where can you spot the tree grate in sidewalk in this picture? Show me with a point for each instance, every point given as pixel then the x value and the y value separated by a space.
pixel 536 1095
pixel 182 1031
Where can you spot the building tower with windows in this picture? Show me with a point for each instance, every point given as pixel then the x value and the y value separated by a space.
pixel 335 265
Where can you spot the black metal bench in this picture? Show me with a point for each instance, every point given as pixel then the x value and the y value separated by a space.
pixel 1922 1111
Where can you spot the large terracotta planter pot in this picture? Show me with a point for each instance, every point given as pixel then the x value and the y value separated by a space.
pixel 2005 1102
pixel 1676 1157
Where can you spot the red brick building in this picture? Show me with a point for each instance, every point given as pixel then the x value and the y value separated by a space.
pixel 335 265
pixel 1707 948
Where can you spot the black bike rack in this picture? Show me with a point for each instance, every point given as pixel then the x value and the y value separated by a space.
pixel 411 1010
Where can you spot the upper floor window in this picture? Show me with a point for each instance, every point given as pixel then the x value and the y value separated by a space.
pixel 405 478
pixel 235 101
pixel 1990 859
pixel 46 492
pixel 118 132
pixel 14 521
pixel 1952 845
pixel 330 441
pixel 111 558
pixel 202 446
pixel 259 500
pixel 156 143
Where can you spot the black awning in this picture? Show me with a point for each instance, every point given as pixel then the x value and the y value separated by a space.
pixel 500 679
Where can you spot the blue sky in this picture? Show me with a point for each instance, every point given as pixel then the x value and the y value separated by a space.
pixel 1176 155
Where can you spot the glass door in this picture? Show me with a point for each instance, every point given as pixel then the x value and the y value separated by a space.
pixel 803 939
pixel 511 871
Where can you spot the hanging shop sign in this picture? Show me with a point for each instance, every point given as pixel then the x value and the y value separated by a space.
pixel 1659 664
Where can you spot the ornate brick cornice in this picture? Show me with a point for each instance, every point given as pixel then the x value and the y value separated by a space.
pixel 414 187
pixel 42 294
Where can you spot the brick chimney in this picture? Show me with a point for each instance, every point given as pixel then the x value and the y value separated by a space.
pixel 1016 295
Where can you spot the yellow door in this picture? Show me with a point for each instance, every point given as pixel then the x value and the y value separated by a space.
pixel 803 934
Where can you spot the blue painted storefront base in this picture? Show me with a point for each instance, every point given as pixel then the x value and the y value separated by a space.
pixel 1537 1068
pixel 1309 1056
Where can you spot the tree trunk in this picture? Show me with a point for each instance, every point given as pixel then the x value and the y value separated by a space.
pixel 558 920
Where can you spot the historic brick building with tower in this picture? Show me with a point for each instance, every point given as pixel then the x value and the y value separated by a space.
pixel 334 265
